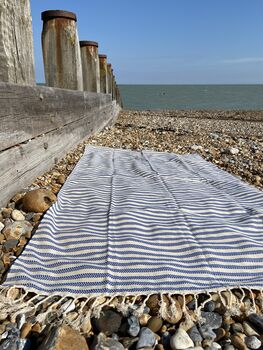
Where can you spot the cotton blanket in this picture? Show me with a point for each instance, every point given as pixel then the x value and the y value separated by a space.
pixel 138 223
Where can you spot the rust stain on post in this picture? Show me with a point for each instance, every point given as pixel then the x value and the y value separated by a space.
pixel 90 66
pixel 61 51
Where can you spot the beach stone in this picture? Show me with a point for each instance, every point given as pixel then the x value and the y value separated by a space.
pixel 210 306
pixel 237 328
pixel 9 245
pixel 1 226
pixel 128 342
pixel 253 342
pixel 104 343
pixel 133 326
pixel 6 213
pixel 165 339
pixel 238 342
pixel 195 335
pixel 248 330
pixel 220 333
pixel 64 338
pixel 213 346
pixel 233 151
pixel 146 338
pixel 229 347
pixel 143 319
pixel 212 319
pixel 196 148
pixel 153 304
pixel 38 201
pixel 175 316
pixel 207 333
pixel 109 322
pixel 17 215
pixel 25 330
pixel 17 229
pixel 181 340
pixel 2 266
pixel 155 323
pixel 257 321
pixel 61 179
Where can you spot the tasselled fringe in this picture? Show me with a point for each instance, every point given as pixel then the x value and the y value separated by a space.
pixel 42 307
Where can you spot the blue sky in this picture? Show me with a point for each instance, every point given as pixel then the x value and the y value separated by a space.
pixel 169 41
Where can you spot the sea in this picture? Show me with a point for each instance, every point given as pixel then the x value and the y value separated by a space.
pixel 186 97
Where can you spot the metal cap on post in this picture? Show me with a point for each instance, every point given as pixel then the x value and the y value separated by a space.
pixel 109 74
pixel 61 50
pixel 90 65
pixel 103 74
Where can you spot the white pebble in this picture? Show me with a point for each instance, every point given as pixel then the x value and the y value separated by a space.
pixel 234 151
pixel 1 226
pixel 17 215
pixel 181 340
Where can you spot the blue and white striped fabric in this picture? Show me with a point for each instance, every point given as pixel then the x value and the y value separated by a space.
pixel 145 222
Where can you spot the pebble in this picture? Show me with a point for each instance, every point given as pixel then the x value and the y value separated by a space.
pixel 64 337
pixel 181 340
pixel 155 323
pixel 104 343
pixel 210 306
pixel 212 319
pixel 17 215
pixel 256 321
pixel 153 304
pixel 25 330
pixel 248 330
pixel 234 151
pixel 195 335
pixel 253 342
pixel 38 201
pixel 133 326
pixel 146 338
pixel 9 245
pixel 6 213
pixel 238 342
pixel 109 322
pixel 17 229
pixel 207 332
pixel 1 226
pixel 61 179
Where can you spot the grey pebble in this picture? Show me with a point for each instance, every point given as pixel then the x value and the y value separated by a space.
pixel 147 338
pixel 195 335
pixel 133 326
pixel 212 319
pixel 253 342
pixel 210 306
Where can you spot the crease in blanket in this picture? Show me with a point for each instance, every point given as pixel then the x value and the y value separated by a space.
pixel 44 307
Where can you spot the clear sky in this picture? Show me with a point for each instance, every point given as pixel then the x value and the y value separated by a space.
pixel 169 41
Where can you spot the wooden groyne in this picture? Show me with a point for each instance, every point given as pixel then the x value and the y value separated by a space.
pixel 40 124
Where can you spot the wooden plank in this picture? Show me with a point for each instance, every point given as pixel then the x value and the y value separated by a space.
pixel 29 111
pixel 21 165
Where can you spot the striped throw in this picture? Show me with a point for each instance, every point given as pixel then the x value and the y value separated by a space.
pixel 130 223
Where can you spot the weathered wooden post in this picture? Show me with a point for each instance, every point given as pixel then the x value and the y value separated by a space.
pixel 113 88
pixel 16 43
pixel 103 74
pixel 90 66
pixel 61 50
pixel 109 75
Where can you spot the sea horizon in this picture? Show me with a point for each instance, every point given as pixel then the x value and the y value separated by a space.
pixel 192 96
